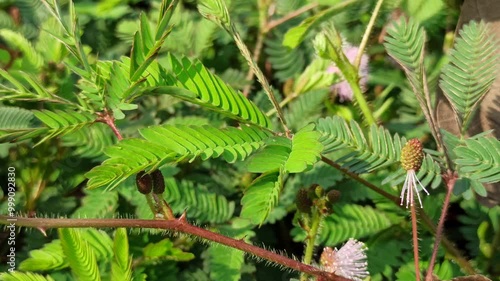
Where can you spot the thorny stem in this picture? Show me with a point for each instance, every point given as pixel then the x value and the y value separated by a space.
pixel 366 36
pixel 415 239
pixel 449 246
pixel 450 179
pixel 311 239
pixel 178 225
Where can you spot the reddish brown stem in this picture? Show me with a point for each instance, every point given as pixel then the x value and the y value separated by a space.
pixel 415 240
pixel 107 118
pixel 361 180
pixel 272 24
pixel 178 225
pixel 450 178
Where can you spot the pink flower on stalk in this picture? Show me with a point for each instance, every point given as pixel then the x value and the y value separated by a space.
pixel 412 156
pixel 342 88
pixel 349 261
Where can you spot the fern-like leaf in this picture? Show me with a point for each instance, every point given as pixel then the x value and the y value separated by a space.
pixel 261 197
pixel 405 43
pixel 89 141
pixel 121 267
pixel 479 159
pixel 62 122
pixel 225 263
pixel 30 58
pixel 24 276
pixel 349 221
pixel 471 71
pixel 81 257
pixel 172 143
pixel 295 156
pixel 97 204
pixel 201 205
pixel 192 82
pixel 356 152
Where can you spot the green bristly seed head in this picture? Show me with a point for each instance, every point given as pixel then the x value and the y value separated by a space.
pixel 412 155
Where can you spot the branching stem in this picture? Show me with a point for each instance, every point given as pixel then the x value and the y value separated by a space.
pixel 311 239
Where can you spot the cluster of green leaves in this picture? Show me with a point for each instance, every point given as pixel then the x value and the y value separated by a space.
pixel 171 80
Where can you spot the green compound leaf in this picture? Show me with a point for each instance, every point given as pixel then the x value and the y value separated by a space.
pixel 261 197
pixel 295 156
pixel 170 143
pixel 200 204
pixel 193 82
pixel 121 266
pixel 354 150
pixel 23 276
pixel 60 122
pixel 405 42
pixel 297 34
pixel 479 159
pixel 471 71
pixel 349 221
pixel 30 57
pixel 81 257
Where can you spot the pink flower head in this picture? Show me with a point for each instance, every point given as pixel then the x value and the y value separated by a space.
pixel 349 261
pixel 342 88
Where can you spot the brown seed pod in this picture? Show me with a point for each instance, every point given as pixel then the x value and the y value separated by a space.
pixel 303 201
pixel 144 182
pixel 158 182
pixel 333 196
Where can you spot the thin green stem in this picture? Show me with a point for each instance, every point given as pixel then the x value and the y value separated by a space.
pixel 311 239
pixel 360 99
pixel 260 76
pixel 366 36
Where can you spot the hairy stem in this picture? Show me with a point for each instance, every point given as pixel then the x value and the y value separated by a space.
pixel 360 99
pixel 311 239
pixel 260 76
pixel 414 231
pixel 366 36
pixel 450 179
pixel 179 225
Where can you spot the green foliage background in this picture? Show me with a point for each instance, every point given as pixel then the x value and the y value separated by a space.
pixel 177 99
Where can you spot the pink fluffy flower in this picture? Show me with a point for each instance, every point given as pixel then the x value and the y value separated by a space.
pixel 342 88
pixel 349 261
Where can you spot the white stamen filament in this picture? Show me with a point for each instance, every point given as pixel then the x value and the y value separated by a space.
pixel 409 186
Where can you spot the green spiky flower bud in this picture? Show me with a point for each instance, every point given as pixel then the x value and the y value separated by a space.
pixel 158 182
pixel 215 11
pixel 144 182
pixel 304 203
pixel 412 155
